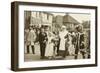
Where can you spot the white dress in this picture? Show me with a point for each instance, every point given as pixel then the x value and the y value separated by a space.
pixel 71 48
pixel 62 39
pixel 49 47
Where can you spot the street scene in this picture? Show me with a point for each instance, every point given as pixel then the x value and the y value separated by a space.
pixel 56 36
pixel 36 57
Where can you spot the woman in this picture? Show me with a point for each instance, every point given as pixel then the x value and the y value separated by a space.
pixel 63 38
pixel 50 45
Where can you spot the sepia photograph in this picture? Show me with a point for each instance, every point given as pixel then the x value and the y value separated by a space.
pixel 56 36
pixel 52 36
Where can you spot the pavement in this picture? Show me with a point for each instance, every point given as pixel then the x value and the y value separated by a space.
pixel 36 57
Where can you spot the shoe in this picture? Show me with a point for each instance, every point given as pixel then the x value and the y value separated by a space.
pixel 33 53
pixel 41 57
pixel 44 57
pixel 27 52
pixel 57 54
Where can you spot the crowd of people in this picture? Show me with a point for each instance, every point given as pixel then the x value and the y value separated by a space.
pixel 59 43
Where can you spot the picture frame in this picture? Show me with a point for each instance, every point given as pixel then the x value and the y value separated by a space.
pixel 18 11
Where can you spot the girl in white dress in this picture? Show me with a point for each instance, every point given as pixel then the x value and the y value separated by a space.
pixel 50 45
pixel 71 48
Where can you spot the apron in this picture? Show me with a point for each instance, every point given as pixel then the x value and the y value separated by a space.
pixel 62 40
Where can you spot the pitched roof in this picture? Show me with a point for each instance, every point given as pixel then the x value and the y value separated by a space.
pixel 69 19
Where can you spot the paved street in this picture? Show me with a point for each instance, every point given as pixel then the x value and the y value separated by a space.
pixel 31 57
pixel 36 56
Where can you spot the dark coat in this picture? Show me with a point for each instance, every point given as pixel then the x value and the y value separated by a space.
pixel 82 45
pixel 79 41
pixel 42 37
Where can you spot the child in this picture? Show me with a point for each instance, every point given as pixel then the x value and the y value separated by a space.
pixel 56 41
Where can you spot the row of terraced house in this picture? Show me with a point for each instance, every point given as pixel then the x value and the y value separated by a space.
pixel 47 19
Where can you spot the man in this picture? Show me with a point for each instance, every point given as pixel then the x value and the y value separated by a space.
pixel 76 41
pixel 82 45
pixel 79 46
pixel 30 38
pixel 88 44
pixel 42 40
